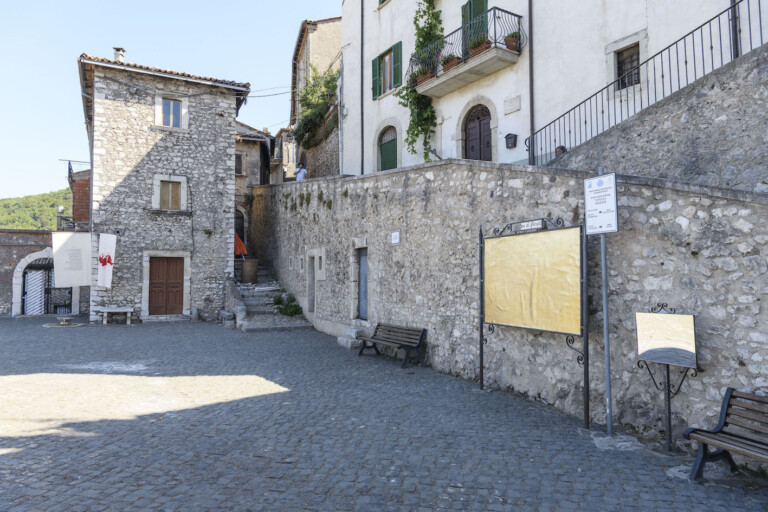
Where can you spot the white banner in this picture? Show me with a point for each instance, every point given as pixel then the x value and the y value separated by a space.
pixel 106 259
pixel 71 259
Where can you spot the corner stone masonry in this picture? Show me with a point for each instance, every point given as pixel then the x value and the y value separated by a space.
pixel 700 249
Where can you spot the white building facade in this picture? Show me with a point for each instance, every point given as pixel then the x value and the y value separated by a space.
pixel 483 102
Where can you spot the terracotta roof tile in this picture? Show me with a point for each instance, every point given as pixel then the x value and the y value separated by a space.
pixel 131 65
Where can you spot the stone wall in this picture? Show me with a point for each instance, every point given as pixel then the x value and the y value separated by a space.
pixel 711 132
pixel 323 159
pixel 700 249
pixel 15 245
pixel 131 155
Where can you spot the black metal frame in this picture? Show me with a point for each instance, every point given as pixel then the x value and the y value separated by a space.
pixel 525 228
pixel 665 385
pixel 493 25
pixel 710 46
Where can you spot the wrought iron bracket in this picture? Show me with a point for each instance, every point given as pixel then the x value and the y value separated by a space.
pixel 662 307
pixel 491 329
pixel 643 364
pixel 569 341
pixel 675 390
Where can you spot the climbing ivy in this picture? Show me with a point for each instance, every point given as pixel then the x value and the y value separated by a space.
pixel 423 119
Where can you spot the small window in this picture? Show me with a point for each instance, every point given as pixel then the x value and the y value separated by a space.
pixel 239 163
pixel 171 113
pixel 386 72
pixel 627 72
pixel 170 195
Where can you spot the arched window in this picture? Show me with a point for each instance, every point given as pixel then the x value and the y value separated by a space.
pixel 388 149
pixel 477 134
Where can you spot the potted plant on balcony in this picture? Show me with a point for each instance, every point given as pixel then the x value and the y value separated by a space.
pixel 423 73
pixel 478 44
pixel 513 41
pixel 450 61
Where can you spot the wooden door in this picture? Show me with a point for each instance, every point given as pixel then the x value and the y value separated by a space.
pixel 166 286
pixel 477 134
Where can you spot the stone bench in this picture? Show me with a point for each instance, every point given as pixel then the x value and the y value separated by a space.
pixel 105 311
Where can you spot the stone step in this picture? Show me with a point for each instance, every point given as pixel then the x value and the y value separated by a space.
pixel 274 322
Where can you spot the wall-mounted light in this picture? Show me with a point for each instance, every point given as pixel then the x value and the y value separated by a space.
pixel 511 139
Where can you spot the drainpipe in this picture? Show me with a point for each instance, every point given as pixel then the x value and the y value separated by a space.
pixel 531 148
pixel 735 30
pixel 362 87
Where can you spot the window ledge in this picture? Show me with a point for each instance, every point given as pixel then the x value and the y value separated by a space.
pixel 382 4
pixel 171 212
pixel 388 93
pixel 161 128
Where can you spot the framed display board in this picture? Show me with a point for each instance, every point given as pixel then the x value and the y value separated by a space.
pixel 533 280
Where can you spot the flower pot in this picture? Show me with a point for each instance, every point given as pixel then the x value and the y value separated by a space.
pixel 423 78
pixel 451 63
pixel 250 270
pixel 513 43
pixel 479 49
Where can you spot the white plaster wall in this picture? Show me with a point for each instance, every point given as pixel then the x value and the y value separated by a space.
pixel 574 45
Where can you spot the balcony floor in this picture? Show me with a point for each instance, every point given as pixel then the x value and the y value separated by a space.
pixel 490 61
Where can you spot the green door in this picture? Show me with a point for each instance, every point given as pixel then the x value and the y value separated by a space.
pixel 388 152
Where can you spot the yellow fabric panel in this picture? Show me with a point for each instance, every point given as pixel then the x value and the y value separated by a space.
pixel 534 281
pixel 665 338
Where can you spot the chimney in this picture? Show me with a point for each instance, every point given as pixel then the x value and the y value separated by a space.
pixel 119 54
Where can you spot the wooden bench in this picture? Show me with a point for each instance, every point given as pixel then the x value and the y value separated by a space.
pixel 408 338
pixel 743 429
pixel 105 311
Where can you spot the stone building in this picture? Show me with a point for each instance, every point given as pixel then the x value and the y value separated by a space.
pixel 252 162
pixel 163 181
pixel 318 47
pixel 285 157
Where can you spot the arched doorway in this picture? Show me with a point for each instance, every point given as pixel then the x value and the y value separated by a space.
pixel 477 134
pixel 388 149
pixel 240 225
pixel 34 291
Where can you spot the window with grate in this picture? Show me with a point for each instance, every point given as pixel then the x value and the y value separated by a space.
pixel 627 60
pixel 238 163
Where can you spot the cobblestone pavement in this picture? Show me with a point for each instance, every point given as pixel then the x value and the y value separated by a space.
pixel 195 417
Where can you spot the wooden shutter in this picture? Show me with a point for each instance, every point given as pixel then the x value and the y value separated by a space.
pixel 375 79
pixel 466 13
pixel 388 155
pixel 397 67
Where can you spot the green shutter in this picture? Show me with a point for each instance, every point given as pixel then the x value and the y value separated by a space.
pixel 480 6
pixel 465 13
pixel 375 81
pixel 397 57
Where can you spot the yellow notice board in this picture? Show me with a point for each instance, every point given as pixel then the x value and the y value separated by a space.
pixel 534 281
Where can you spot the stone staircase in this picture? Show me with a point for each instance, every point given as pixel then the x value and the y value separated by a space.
pixel 262 314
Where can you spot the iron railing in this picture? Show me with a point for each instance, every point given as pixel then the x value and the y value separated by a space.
pixel 717 42
pixel 493 28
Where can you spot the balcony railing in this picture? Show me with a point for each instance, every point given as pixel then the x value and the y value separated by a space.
pixel 735 31
pixel 495 28
pixel 65 223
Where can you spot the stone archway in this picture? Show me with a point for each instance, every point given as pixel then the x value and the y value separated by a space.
pixel 18 279
pixel 494 125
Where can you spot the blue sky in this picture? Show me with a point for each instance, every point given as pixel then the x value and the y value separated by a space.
pixel 41 114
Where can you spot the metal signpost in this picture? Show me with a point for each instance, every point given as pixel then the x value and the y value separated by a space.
pixel 601 217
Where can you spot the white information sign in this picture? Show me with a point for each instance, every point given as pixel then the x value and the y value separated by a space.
pixel 600 204
pixel 71 259
pixel 395 237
